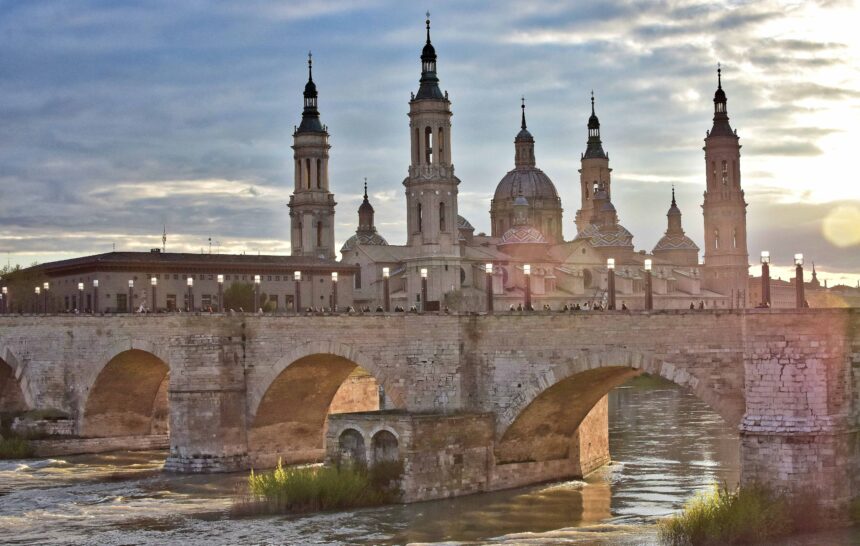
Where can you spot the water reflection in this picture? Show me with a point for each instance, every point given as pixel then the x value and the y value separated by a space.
pixel 665 446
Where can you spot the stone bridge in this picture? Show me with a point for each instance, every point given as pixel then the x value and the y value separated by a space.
pixel 469 402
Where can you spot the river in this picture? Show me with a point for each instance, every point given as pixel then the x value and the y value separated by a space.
pixel 666 445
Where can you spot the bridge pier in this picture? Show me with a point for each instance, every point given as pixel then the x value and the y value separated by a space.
pixel 208 432
pixel 821 467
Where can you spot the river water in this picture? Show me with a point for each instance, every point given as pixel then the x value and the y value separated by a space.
pixel 666 446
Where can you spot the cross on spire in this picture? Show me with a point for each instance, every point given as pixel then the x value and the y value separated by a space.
pixel 365 188
pixel 523 106
pixel 673 196
pixel 428 26
pixel 719 76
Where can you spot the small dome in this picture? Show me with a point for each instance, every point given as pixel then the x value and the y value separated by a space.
pixel 463 224
pixel 428 53
pixel 606 236
pixel 365 206
pixel 524 135
pixel 310 89
pixel 675 242
pixel 535 185
pixel 522 235
pixel 720 95
pixel 363 239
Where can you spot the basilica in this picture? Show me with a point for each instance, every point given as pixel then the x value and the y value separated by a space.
pixel 526 214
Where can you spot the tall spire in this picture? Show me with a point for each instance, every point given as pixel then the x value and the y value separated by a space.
pixel 721 125
pixel 310 114
pixel 429 83
pixel 674 204
pixel 365 213
pixel 524 143
pixel 594 148
pixel 523 124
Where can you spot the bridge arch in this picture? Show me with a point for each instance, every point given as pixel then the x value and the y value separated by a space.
pixel 543 418
pixel 289 403
pixel 127 396
pixel 13 396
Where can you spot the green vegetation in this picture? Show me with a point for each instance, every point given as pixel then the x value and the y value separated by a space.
pixel 240 295
pixel 315 488
pixel 15 448
pixel 747 515
pixel 854 511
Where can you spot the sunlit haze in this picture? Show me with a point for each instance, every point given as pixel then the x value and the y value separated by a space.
pixel 118 120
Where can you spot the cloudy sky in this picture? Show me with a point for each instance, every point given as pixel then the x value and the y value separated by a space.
pixel 117 118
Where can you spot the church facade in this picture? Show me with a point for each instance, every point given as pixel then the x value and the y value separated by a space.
pixel 526 218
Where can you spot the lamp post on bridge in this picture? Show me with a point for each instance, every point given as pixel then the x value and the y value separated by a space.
pixel 6 306
pixel 95 296
pixel 386 296
pixel 256 292
pixel 765 278
pixel 220 293
pixel 131 295
pixel 488 268
pixel 610 282
pixel 36 301
pixel 649 289
pixel 297 276
pixel 190 298
pixel 334 291
pixel 154 282
pixel 798 281
pixel 527 275
pixel 81 297
pixel 423 288
pixel 45 287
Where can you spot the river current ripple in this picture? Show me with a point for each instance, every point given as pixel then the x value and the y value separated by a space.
pixel 666 445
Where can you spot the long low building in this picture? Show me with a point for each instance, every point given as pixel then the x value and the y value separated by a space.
pixel 118 282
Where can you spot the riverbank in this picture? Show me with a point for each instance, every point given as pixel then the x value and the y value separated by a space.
pixel 666 445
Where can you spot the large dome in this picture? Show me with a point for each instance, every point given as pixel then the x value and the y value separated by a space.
pixel 607 236
pixel 522 235
pixel 535 185
pixel 363 239
pixel 676 242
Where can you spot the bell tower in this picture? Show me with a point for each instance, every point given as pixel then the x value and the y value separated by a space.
pixel 726 268
pixel 431 187
pixel 594 174
pixel 311 204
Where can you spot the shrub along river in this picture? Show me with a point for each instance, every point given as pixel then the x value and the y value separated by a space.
pixel 666 445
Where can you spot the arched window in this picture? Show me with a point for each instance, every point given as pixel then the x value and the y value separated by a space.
pixel 308 173
pixel 735 237
pixel 441 216
pixel 416 150
pixel 319 233
pixel 428 145
pixel 594 188
pixel 725 172
pixel 717 239
pixel 358 277
pixel 713 172
pixel 319 174
pixel 440 143
pixel 420 218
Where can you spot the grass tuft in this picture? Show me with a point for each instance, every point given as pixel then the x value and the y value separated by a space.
pixel 15 448
pixel 747 515
pixel 316 488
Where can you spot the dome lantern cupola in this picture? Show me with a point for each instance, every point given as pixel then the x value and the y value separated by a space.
pixel 675 247
pixel 429 83
pixel 524 143
pixel 366 233
pixel 721 125
pixel 310 114
pixel 594 147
